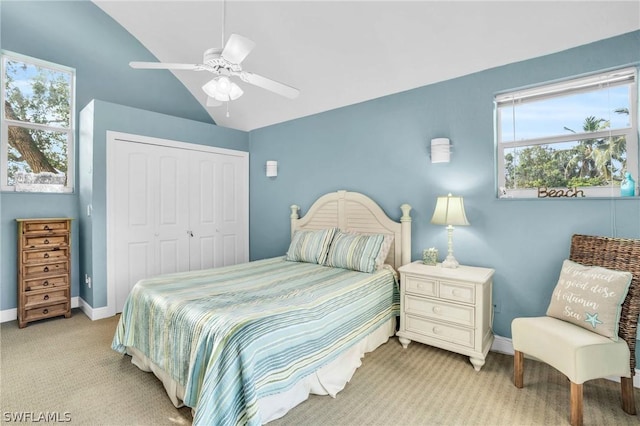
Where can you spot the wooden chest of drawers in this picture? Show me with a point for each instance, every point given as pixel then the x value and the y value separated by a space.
pixel 44 269
pixel 447 308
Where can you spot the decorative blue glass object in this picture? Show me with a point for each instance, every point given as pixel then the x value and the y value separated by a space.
pixel 628 186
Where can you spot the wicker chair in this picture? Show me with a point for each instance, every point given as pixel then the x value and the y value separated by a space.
pixel 613 253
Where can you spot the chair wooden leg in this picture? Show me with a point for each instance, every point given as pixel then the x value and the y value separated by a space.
pixel 518 369
pixel 576 404
pixel 628 401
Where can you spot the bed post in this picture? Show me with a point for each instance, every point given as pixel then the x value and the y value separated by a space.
pixel 405 227
pixel 294 217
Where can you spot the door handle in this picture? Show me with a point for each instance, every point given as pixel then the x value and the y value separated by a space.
pixel 190 233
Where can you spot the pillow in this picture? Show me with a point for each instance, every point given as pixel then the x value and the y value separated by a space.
pixel 384 249
pixel 590 297
pixel 310 246
pixel 354 251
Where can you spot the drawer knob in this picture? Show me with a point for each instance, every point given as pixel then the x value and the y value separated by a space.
pixel 46 241
pixel 436 330
pixel 420 286
pixel 45 283
pixel 437 310
pixel 46 297
pixel 45 311
pixel 46 227
pixel 46 255
pixel 455 292
pixel 46 269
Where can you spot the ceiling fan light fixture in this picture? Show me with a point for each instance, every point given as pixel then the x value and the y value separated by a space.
pixel 222 89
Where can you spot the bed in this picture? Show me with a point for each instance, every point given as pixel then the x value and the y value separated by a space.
pixel 244 344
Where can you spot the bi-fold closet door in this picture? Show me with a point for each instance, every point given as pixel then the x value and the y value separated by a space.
pixel 172 209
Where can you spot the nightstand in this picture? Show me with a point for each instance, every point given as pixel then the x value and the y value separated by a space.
pixel 447 308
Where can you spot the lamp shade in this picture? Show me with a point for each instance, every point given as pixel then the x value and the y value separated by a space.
pixel 449 211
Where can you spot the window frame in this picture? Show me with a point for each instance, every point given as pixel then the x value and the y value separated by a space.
pixel 6 123
pixel 622 76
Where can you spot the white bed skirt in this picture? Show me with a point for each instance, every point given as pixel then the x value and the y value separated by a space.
pixel 328 380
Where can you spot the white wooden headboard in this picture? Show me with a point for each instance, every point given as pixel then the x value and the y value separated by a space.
pixel 354 211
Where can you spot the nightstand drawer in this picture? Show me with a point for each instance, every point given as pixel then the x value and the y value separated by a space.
pixel 419 285
pixel 458 292
pixel 448 333
pixel 463 315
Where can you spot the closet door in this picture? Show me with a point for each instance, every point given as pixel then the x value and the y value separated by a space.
pixel 172 207
pixel 151 214
pixel 218 210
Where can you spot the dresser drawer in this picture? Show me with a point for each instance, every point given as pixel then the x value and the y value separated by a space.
pixel 46 269
pixel 46 255
pixel 46 312
pixel 420 285
pixel 46 298
pixel 43 241
pixel 40 227
pixel 446 332
pixel 458 292
pixel 430 308
pixel 46 283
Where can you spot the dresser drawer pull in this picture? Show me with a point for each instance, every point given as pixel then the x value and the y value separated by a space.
pixel 46 269
pixel 46 227
pixel 455 293
pixel 46 311
pixel 46 241
pixel 46 297
pixel 436 330
pixel 46 255
pixel 46 283
pixel 437 310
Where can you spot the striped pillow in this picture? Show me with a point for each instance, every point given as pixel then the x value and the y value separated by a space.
pixel 384 249
pixel 354 251
pixel 310 246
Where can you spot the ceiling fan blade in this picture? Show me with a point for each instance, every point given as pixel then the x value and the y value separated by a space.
pixel 272 85
pixel 212 102
pixel 237 48
pixel 162 66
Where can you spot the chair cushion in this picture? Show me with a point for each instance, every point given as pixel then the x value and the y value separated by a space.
pixel 590 297
pixel 577 353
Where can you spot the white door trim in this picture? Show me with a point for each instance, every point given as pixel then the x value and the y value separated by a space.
pixel 111 168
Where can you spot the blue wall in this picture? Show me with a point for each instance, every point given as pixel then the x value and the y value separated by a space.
pixel 78 34
pixel 380 148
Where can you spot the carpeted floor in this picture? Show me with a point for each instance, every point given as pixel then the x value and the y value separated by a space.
pixel 65 368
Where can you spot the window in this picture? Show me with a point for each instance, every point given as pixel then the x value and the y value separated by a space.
pixel 576 138
pixel 37 112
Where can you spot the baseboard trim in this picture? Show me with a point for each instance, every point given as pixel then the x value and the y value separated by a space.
pixel 504 345
pixel 95 313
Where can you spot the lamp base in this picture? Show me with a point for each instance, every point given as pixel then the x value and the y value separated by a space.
pixel 450 262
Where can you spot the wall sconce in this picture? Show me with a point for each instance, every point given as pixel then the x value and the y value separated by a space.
pixel 272 168
pixel 440 150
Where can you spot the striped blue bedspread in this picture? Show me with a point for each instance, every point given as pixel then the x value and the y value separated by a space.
pixel 235 334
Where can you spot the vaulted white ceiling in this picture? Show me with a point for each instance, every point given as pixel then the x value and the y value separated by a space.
pixel 341 53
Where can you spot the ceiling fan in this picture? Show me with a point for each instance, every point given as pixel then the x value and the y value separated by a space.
pixel 225 63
